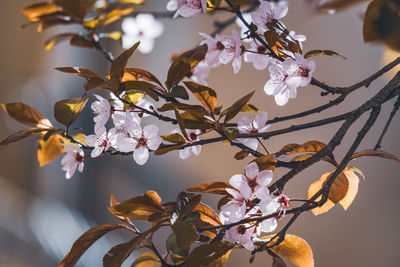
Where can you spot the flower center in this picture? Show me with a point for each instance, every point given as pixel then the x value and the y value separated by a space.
pixel 252 183
pixel 261 49
pixel 141 142
pixel 193 136
pixel 220 46
pixel 104 143
pixel 241 229
pixel 304 72
pixel 78 157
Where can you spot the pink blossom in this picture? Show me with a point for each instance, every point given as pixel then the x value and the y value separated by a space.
pixel 102 109
pixel 299 70
pixel 259 58
pixel 243 27
pixel 101 141
pixel 258 125
pixel 201 72
pixel 140 141
pixel 223 49
pixel 187 8
pixel 267 12
pixel 268 205
pixel 193 137
pixel 277 85
pixel 242 234
pixel 72 160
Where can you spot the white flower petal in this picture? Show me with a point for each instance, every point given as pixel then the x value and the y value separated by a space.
pixel 141 155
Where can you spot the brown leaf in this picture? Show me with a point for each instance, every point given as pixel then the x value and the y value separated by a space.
pixel 27 115
pixel 382 23
pixel 211 187
pixel 207 253
pixel 206 95
pixel 163 149
pixel 311 146
pixel 143 87
pixel 143 74
pixel 279 41
pixel 314 53
pixel 181 124
pixel 375 153
pixel 116 256
pixel 146 259
pixel 74 8
pixel 50 149
pixel 353 181
pixel 185 233
pixel 175 138
pixel 19 136
pixel 82 41
pixel 242 154
pixel 119 64
pixel 93 80
pixel 221 261
pixel 184 64
pixel 140 207
pixel 266 162
pixel 313 189
pixel 85 241
pixel 207 215
pixel 296 250
pixel 66 111
pixel 33 12
pixel 233 110
pixel 52 41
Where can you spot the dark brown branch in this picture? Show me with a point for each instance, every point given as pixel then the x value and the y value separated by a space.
pixel 394 111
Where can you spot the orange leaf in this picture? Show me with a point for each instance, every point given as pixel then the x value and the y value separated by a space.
pixel 33 12
pixel 206 95
pixel 26 115
pixel 49 150
pixel 296 250
pixel 211 187
pixel 353 181
pixel 207 215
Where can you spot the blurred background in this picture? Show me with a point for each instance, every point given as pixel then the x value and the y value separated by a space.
pixel 42 213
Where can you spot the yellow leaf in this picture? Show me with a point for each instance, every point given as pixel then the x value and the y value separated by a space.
pixel 49 150
pixel 353 181
pixel 206 95
pixel 296 250
pixel 115 14
pixel 66 111
pixel 33 12
pixel 313 189
pixel 119 64
pixel 207 215
pixel 147 259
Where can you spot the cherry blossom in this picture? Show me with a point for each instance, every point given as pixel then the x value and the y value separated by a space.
pixel 102 109
pixel 259 56
pixel 223 49
pixel 140 141
pixel 258 125
pixel 241 233
pixel 277 85
pixel 143 28
pixel 298 37
pixel 101 141
pixel 201 72
pixel 268 205
pixel 193 137
pixel 299 70
pixel 187 8
pixel 267 12
pixel 72 160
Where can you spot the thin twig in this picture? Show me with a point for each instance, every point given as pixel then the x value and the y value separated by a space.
pixel 395 109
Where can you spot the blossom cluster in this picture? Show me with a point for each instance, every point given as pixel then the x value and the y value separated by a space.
pixel 251 199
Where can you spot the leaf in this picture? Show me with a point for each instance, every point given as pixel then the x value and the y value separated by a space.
pixel 249 108
pixel 115 14
pixel 118 254
pixel 140 207
pixel 85 241
pixel 52 41
pixel 179 92
pixel 186 202
pixel 382 23
pixel 50 149
pixel 185 234
pixel 197 111
pixel 119 64
pixel 181 124
pixel 314 53
pixel 27 115
pixel 144 74
pixel 207 215
pixel 375 153
pixel 311 146
pixel 276 260
pixel 82 72
pixel 296 250
pixel 184 64
pixel 343 190
pixel 163 149
pixel 207 253
pixel 279 41
pixel 82 41
pixel 266 162
pixel 206 95
pixel 147 259
pixel 224 201
pixel 211 187
pixel 241 155
pixel 221 261
pixel 19 136
pixel 175 138
pixel 176 254
pixel 74 8
pixel 66 111
pixel 111 35
pixel 140 87
pixel 233 110
pixel 33 12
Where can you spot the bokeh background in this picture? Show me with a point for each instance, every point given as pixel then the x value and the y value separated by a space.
pixel 42 213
